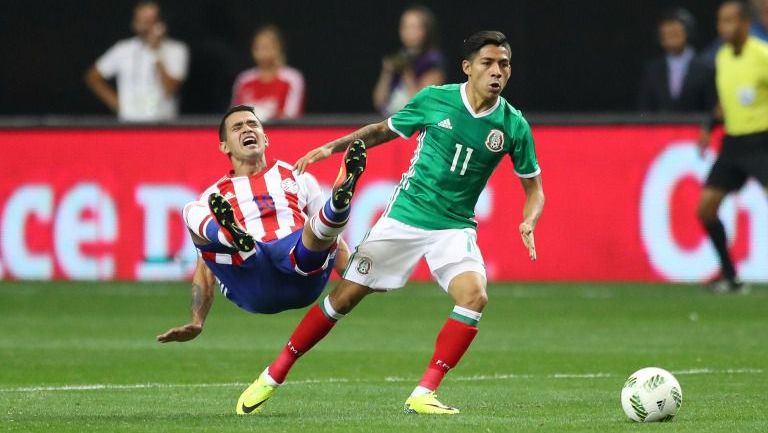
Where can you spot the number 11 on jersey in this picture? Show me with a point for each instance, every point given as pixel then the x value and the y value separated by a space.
pixel 456 159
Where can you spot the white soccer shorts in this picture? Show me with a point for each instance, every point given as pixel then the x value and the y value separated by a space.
pixel 386 257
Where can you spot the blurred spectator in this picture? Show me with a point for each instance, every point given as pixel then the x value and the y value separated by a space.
pixel 678 81
pixel 758 29
pixel 274 89
pixel 149 69
pixel 418 64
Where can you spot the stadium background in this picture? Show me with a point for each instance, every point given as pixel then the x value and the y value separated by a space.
pixel 567 55
pixel 80 211
pixel 559 337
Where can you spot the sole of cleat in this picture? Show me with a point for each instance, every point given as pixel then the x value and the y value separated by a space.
pixel 355 159
pixel 225 216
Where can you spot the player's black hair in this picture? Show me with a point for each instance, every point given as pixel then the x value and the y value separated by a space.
pixel 474 43
pixel 682 16
pixel 235 109
pixel 745 12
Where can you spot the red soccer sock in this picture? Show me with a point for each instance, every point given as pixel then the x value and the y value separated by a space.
pixel 452 341
pixel 313 327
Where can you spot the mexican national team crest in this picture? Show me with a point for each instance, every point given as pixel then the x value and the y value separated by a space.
pixel 290 186
pixel 364 265
pixel 495 141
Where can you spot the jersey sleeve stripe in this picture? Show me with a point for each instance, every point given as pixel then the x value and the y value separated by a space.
pixel 393 129
pixel 529 175
pixel 201 229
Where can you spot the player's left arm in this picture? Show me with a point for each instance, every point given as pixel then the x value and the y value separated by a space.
pixel 523 156
pixel 342 257
pixel 203 282
pixel 534 206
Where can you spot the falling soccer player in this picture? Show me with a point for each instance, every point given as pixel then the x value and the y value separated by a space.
pixel 465 130
pixel 263 231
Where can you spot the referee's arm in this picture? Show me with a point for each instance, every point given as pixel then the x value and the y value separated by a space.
pixel 715 118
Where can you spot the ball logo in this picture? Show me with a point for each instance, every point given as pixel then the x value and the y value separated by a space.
pixel 364 265
pixel 289 186
pixel 495 141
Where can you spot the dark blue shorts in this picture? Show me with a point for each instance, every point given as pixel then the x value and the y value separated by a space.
pixel 268 281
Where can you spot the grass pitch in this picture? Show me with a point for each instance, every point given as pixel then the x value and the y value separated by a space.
pixel 80 357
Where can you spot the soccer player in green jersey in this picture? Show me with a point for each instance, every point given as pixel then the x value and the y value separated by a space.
pixel 465 130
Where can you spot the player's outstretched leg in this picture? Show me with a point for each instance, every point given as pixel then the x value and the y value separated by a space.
pixel 225 216
pixel 350 171
pixel 316 324
pixel 311 252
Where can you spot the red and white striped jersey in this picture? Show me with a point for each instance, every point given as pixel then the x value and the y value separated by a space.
pixel 273 203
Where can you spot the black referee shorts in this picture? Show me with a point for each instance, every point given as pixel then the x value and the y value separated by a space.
pixel 742 157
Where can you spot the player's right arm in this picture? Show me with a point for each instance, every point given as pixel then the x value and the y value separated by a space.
pixel 106 67
pixel 373 135
pixel 403 123
pixel 705 136
pixel 203 282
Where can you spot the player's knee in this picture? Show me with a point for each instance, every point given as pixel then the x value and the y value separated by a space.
pixel 468 291
pixel 474 298
pixel 480 298
pixel 344 303
pixel 347 295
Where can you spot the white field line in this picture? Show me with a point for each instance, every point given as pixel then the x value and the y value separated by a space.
pixel 395 379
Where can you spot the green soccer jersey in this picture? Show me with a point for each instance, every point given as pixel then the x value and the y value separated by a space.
pixel 457 151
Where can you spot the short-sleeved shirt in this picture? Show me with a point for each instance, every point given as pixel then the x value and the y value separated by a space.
pixel 280 97
pixel 457 151
pixel 140 92
pixel 270 204
pixel 742 86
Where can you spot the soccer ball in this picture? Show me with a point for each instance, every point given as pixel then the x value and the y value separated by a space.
pixel 651 394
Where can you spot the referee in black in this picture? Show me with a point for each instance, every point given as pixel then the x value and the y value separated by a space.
pixel 742 88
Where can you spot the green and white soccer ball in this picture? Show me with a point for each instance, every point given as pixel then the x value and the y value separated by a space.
pixel 651 394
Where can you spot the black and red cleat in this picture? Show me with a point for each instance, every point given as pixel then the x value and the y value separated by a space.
pixel 349 173
pixel 224 214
